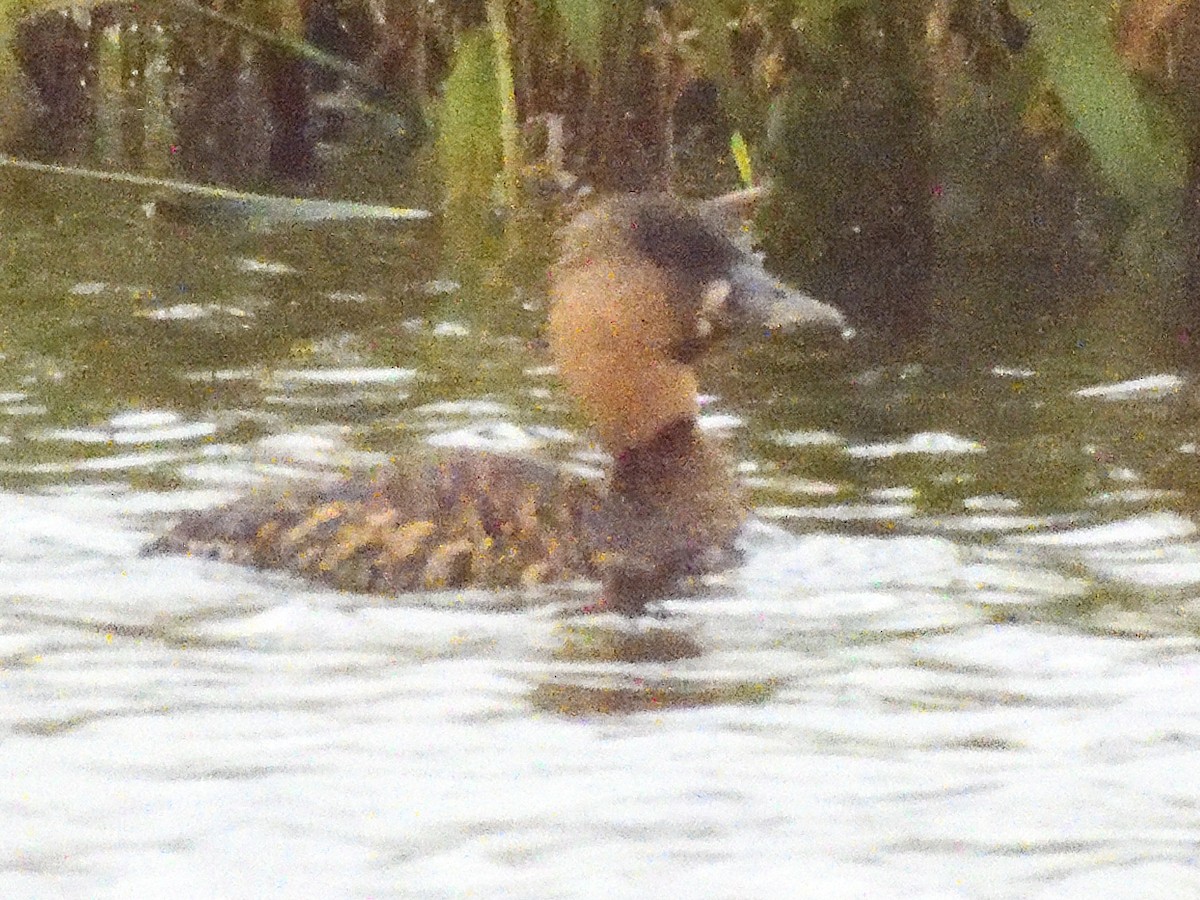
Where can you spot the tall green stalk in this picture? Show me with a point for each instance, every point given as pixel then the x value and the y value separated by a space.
pixel 509 134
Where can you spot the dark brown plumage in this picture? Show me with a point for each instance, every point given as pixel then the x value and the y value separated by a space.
pixel 644 285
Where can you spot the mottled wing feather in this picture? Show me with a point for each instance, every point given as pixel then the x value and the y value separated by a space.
pixel 478 519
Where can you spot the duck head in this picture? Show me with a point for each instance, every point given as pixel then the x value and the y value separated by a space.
pixel 646 283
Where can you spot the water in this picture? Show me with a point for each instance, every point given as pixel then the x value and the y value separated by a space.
pixel 961 659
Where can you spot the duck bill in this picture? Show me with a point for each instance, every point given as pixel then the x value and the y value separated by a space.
pixel 753 299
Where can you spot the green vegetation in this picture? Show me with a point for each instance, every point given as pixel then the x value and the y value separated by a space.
pixel 931 161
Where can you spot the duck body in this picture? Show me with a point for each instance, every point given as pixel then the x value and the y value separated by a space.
pixel 644 286
pixel 489 520
pixel 467 518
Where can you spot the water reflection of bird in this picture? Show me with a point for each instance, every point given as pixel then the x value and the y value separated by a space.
pixel 644 286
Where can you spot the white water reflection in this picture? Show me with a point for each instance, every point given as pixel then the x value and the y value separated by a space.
pixel 228 733
pixel 961 659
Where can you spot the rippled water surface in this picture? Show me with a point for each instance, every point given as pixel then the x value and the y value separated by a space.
pixel 961 659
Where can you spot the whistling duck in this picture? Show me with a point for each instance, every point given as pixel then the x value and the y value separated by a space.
pixel 645 284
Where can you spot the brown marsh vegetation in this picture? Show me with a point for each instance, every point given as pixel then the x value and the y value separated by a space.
pixel 1017 166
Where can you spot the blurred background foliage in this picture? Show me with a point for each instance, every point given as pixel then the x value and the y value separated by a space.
pixel 985 167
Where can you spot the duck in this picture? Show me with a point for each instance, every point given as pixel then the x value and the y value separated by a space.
pixel 646 284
